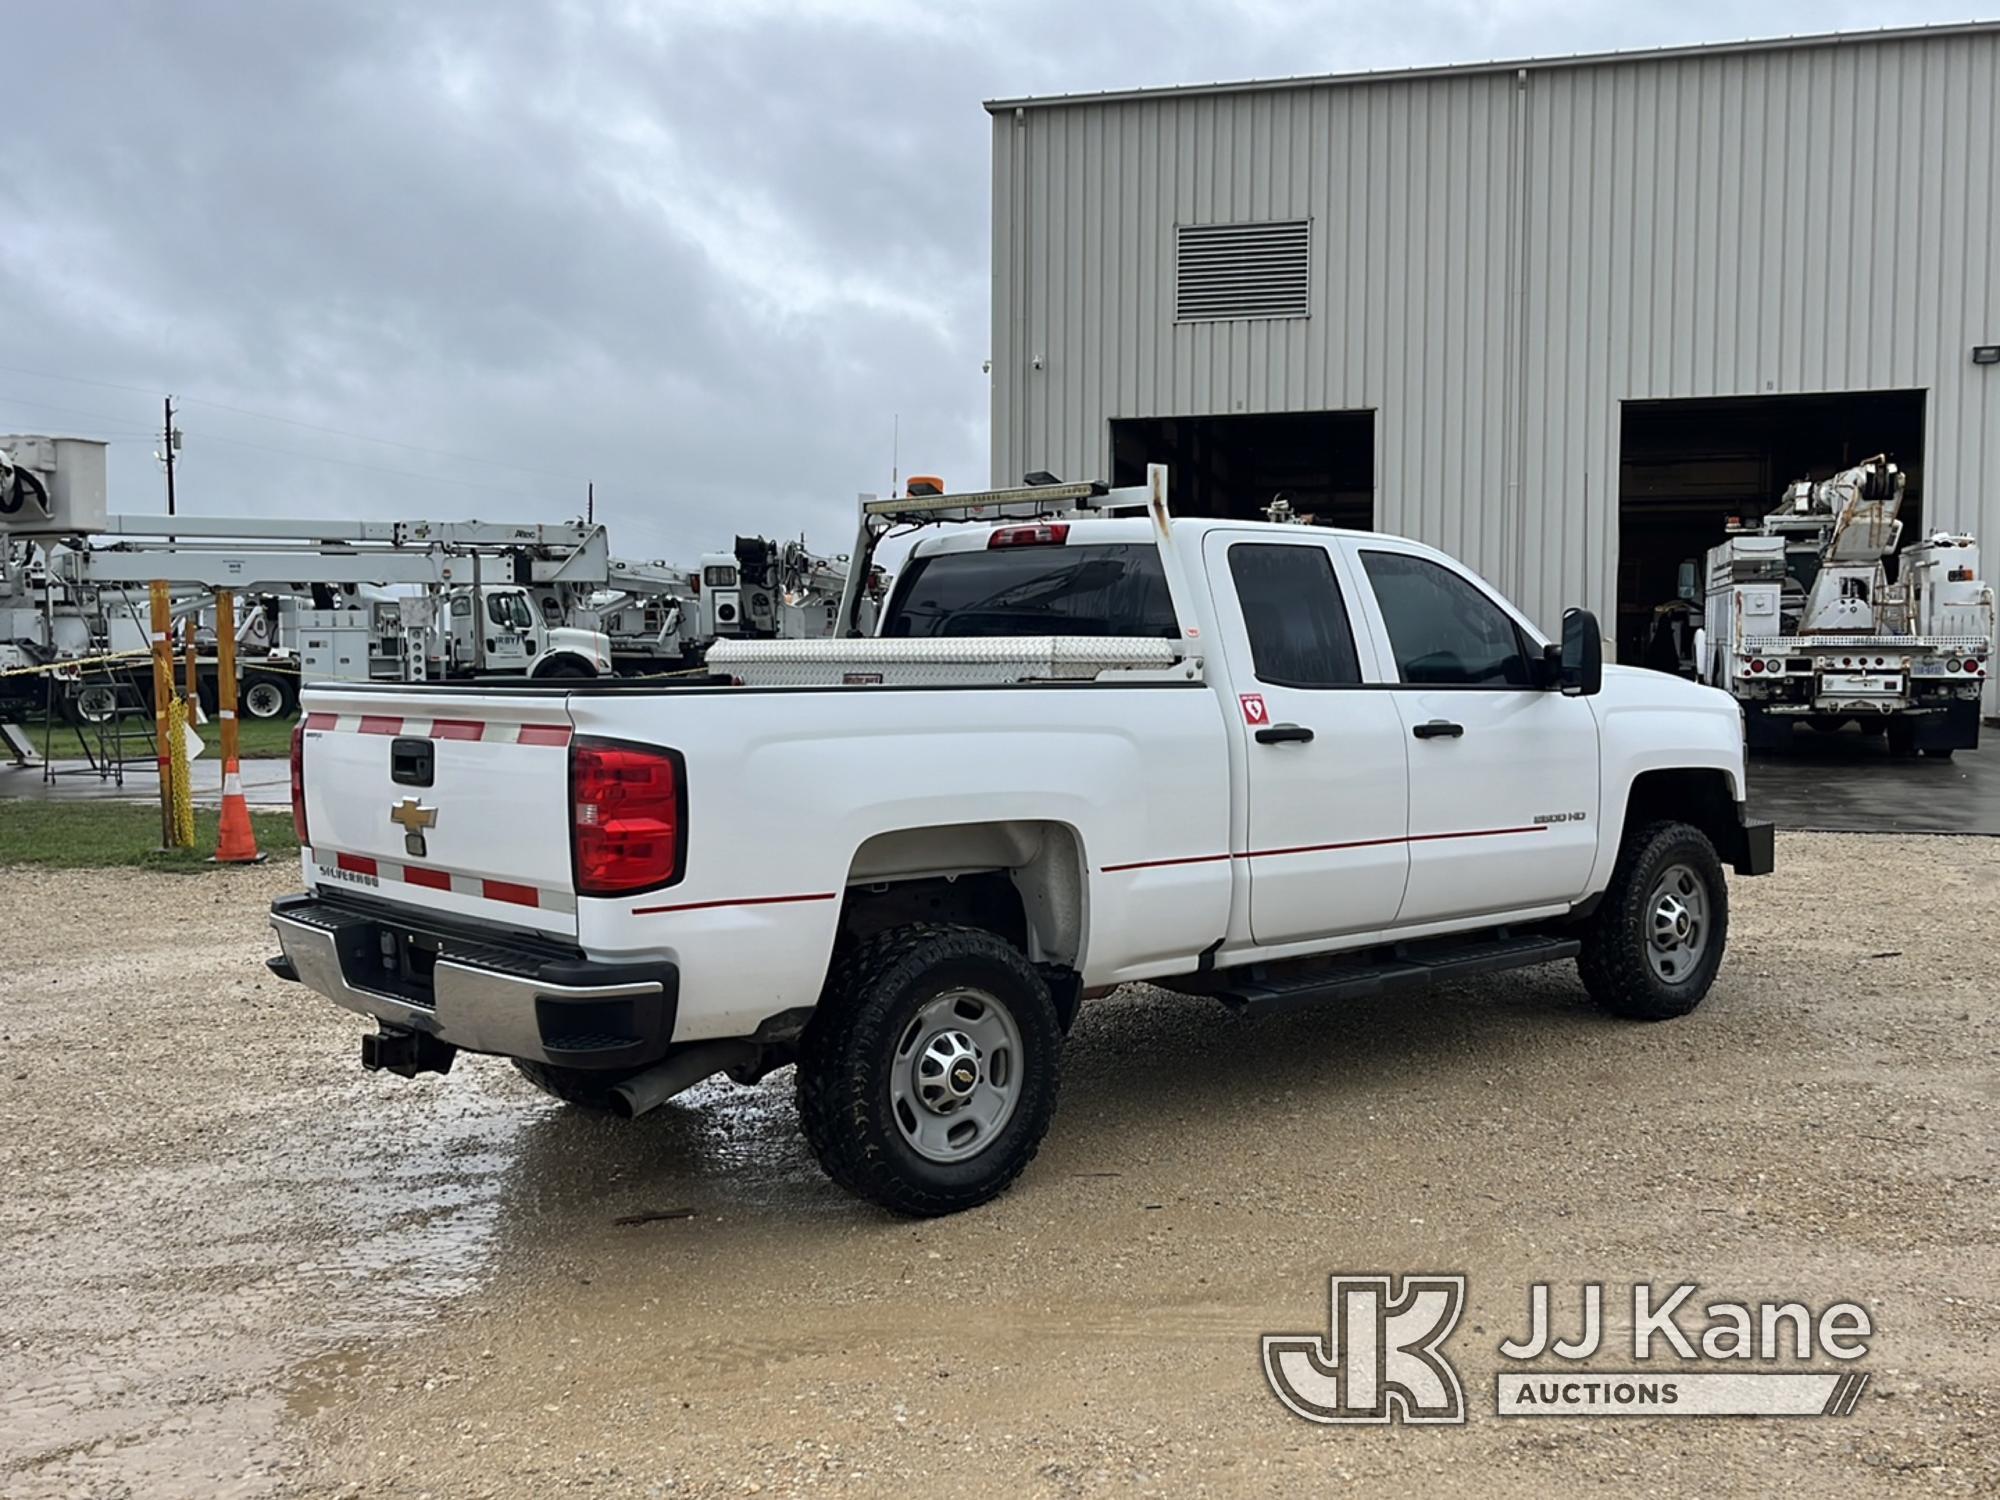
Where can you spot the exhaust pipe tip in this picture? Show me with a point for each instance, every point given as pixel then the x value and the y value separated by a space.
pixel 681 1069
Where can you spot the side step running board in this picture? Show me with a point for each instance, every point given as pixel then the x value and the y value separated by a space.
pixel 1406 967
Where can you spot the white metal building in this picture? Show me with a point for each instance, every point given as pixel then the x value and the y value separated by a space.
pixel 1560 317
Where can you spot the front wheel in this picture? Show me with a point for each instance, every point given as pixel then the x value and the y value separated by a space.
pixel 1652 947
pixel 928 1075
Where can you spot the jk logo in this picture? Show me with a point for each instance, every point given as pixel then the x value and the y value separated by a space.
pixel 1380 1361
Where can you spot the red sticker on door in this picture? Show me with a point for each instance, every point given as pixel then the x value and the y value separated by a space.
pixel 1253 708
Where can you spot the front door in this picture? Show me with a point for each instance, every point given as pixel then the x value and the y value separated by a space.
pixel 1323 842
pixel 1503 772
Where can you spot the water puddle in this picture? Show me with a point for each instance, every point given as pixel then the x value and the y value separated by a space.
pixel 155 1302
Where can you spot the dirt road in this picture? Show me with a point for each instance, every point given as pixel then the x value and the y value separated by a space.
pixel 236 1265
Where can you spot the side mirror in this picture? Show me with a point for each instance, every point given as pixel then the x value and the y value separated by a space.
pixel 1582 673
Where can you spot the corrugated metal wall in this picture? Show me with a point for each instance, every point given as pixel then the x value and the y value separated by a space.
pixel 1500 259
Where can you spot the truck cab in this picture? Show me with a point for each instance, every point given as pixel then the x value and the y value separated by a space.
pixel 499 629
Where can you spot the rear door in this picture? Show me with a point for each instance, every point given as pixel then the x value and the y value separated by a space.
pixel 1326 764
pixel 455 802
pixel 1503 773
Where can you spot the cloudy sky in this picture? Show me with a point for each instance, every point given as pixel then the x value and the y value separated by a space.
pixel 461 257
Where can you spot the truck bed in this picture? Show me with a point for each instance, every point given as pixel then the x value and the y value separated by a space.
pixel 782 785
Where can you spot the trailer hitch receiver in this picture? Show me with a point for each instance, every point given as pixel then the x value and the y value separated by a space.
pixel 405 1053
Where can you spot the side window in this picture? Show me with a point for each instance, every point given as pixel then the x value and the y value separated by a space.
pixel 1442 629
pixel 1296 618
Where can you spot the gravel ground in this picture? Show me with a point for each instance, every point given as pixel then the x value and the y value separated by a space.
pixel 235 1265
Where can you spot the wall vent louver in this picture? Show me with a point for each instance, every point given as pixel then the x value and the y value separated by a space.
pixel 1230 271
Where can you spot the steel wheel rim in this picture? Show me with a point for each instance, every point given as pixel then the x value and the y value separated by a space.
pixel 262 701
pixel 97 705
pixel 955 1080
pixel 1677 924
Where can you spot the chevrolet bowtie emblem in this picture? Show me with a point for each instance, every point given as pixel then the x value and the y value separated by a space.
pixel 414 818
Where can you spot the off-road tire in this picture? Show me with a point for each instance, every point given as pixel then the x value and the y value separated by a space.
pixel 586 1088
pixel 1613 963
pixel 846 1054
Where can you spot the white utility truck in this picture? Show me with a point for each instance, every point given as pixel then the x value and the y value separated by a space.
pixel 1272 764
pixel 1803 624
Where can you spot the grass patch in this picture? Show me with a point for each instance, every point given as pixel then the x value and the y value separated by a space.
pixel 257 739
pixel 99 835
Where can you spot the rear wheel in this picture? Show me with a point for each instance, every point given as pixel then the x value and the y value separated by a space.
pixel 928 1075
pixel 1652 947
pixel 265 698
pixel 94 703
pixel 586 1088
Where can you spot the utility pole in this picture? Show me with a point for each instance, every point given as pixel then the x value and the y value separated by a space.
pixel 170 441
pixel 590 504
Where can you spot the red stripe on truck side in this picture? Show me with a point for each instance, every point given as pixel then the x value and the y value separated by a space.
pixel 1414 838
pixel 320 721
pixel 436 880
pixel 377 724
pixel 503 890
pixel 1477 833
pixel 355 864
pixel 1156 864
pixel 649 911
pixel 544 734
pixel 456 729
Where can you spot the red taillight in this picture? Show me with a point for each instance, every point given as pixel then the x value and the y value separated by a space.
pixel 1048 534
pixel 626 820
pixel 1756 666
pixel 299 783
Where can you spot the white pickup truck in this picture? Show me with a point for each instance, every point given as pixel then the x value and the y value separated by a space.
pixel 1273 764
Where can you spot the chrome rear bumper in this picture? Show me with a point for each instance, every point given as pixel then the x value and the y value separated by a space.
pixel 468 991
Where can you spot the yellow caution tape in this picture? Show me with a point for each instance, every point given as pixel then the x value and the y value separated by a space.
pixel 70 663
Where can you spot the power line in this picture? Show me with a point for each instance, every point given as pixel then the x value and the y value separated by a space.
pixel 132 433
pixel 128 424
pixel 349 463
pixel 264 416
pixel 362 437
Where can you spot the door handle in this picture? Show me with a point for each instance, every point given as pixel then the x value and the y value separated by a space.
pixel 1279 734
pixel 1438 729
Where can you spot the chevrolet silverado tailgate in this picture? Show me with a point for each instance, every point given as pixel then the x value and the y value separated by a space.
pixel 455 801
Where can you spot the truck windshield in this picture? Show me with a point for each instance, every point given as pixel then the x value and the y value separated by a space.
pixel 1104 590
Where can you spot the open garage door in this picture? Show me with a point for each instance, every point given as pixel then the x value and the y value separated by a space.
pixel 1686 467
pixel 1234 467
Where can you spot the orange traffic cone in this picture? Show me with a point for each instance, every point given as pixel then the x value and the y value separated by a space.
pixel 237 843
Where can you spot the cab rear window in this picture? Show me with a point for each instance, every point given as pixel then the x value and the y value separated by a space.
pixel 1108 589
